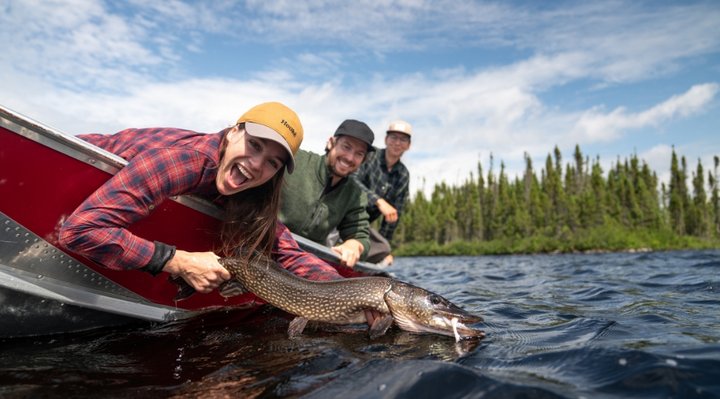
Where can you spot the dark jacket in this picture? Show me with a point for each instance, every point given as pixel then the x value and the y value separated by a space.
pixel 377 182
pixel 311 212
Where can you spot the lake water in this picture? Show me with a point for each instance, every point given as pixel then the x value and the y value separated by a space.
pixel 593 326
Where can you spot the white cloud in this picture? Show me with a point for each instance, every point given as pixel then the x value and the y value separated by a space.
pixel 457 122
pixel 91 68
pixel 685 104
pixel 625 40
pixel 74 44
pixel 622 41
pixel 595 125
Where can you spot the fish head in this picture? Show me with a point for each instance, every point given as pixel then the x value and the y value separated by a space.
pixel 418 310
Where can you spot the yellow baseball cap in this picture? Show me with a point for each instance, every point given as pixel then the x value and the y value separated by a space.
pixel 275 121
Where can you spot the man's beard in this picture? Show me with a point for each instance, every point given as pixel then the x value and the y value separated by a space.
pixel 335 173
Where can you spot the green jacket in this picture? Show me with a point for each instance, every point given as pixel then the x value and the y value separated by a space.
pixel 306 211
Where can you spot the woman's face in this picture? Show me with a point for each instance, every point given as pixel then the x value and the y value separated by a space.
pixel 248 162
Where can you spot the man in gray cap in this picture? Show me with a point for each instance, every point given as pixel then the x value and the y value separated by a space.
pixel 319 196
pixel 385 180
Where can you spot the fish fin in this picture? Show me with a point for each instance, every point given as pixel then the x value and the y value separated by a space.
pixel 380 326
pixel 296 327
pixel 185 290
pixel 231 288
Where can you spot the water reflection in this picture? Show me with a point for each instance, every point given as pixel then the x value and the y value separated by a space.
pixel 603 325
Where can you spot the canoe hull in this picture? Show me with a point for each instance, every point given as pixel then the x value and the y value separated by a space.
pixel 44 175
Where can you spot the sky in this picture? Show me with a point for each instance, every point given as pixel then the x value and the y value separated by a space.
pixel 476 79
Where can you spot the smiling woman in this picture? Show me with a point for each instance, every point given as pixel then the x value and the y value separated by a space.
pixel 232 175
pixel 239 168
pixel 248 161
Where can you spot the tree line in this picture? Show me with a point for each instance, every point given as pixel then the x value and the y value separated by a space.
pixel 565 207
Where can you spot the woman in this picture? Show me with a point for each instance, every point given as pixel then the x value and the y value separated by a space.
pixel 240 168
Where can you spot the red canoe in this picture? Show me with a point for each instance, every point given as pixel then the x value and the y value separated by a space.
pixel 44 175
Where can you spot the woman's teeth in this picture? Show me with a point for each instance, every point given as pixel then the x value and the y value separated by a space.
pixel 244 172
pixel 239 175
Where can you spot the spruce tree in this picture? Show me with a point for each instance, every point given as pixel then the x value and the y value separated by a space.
pixel 597 198
pixel 715 198
pixel 676 194
pixel 700 220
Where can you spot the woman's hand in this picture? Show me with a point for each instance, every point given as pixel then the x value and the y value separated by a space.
pixel 200 269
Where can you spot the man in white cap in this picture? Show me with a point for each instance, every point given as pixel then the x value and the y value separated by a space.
pixel 385 179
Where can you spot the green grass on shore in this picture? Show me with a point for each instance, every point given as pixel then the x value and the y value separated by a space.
pixel 592 240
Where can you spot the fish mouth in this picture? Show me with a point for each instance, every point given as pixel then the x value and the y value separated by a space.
pixel 458 322
pixel 453 326
pixel 462 331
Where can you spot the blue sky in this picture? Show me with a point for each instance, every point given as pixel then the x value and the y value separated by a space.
pixel 474 78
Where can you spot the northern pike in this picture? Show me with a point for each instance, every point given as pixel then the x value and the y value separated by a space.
pixel 345 301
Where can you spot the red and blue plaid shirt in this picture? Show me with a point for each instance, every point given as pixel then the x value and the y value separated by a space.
pixel 162 162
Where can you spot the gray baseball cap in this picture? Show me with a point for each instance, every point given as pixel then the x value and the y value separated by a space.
pixel 357 129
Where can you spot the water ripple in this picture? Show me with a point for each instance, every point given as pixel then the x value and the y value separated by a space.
pixel 643 325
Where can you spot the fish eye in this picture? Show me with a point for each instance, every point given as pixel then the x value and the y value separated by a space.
pixel 435 300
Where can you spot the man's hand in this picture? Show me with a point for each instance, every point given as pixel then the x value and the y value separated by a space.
pixel 388 260
pixel 389 212
pixel 349 252
pixel 371 315
pixel 200 269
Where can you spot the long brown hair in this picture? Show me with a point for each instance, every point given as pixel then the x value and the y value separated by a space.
pixel 251 216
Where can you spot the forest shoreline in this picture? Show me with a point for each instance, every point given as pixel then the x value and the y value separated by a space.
pixel 574 207
pixel 593 241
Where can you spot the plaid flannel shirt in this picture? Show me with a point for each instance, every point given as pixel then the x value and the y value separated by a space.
pixel 162 162
pixel 377 182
